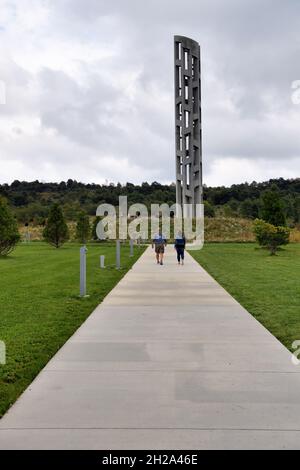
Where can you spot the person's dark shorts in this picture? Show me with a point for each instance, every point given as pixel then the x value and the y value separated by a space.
pixel 160 249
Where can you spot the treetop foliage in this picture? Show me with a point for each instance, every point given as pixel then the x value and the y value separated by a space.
pixel 31 201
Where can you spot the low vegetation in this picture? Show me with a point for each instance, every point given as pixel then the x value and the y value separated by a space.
pixel 217 229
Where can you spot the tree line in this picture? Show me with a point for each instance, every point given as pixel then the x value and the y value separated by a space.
pixel 31 201
pixel 271 229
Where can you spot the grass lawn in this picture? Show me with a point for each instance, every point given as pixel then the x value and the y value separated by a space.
pixel 267 286
pixel 40 307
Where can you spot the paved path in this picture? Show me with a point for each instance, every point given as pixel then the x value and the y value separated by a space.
pixel 168 360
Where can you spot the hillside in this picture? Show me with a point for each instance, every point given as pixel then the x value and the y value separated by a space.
pixel 31 200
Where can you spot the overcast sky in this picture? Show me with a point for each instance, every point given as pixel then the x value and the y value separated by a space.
pixel 89 89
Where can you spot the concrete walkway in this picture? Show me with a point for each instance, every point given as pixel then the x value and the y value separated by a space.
pixel 169 360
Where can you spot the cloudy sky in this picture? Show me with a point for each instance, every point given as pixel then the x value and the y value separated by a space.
pixel 88 86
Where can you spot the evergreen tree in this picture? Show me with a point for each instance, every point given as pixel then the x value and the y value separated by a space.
pixel 269 236
pixel 272 208
pixel 83 227
pixel 56 230
pixel 9 234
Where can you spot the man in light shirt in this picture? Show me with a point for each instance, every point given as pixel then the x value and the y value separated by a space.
pixel 159 242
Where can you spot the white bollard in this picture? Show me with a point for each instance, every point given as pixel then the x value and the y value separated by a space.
pixel 83 251
pixel 2 353
pixel 102 261
pixel 131 246
pixel 118 254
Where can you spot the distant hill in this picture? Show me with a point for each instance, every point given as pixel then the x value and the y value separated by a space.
pixel 31 200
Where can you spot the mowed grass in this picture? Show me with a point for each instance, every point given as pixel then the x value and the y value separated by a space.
pixel 40 306
pixel 267 286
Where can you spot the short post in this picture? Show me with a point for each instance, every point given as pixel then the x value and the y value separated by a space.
pixel 102 261
pixel 118 254
pixel 83 251
pixel 131 246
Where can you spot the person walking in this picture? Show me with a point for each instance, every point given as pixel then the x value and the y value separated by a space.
pixel 179 246
pixel 159 242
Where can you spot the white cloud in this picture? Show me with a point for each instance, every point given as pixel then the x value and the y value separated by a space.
pixel 230 170
pixel 89 88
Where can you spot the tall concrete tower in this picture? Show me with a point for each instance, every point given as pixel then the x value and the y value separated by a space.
pixel 188 123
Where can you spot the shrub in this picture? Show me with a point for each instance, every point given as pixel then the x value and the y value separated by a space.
pixel 270 236
pixel 9 234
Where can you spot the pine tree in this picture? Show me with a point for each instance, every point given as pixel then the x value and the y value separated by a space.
pixel 272 208
pixel 56 231
pixel 9 234
pixel 269 236
pixel 83 227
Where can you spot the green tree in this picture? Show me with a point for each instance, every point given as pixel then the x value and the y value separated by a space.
pixel 56 230
pixel 297 209
pixel 83 227
pixel 9 234
pixel 270 236
pixel 272 208
pixel 249 208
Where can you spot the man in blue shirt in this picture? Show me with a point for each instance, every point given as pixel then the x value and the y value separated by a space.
pixel 159 242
